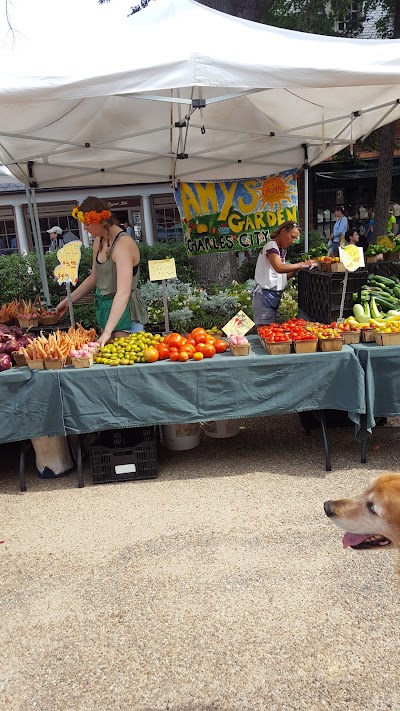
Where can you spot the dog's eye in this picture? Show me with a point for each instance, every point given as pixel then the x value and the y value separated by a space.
pixel 371 507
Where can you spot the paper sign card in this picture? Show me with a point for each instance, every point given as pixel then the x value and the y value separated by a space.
pixel 352 257
pixel 162 269
pixel 239 325
pixel 69 257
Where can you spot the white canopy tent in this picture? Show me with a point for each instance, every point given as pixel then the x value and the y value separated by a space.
pixel 180 91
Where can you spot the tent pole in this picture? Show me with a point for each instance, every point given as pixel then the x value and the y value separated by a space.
pixel 306 226
pixel 38 244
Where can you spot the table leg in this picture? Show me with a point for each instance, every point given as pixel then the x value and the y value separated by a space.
pixel 81 483
pixel 364 450
pixel 320 415
pixel 22 453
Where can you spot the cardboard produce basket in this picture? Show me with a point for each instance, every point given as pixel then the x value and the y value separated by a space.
pixel 330 344
pixel 387 339
pixel 375 258
pixel 368 335
pixel 309 346
pixel 278 348
pixel 54 363
pixel 28 322
pixel 86 362
pixel 36 364
pixel 350 337
pixel 19 359
pixel 50 320
pixel 240 350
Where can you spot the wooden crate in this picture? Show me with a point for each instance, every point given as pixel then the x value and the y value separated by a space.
pixel 330 344
pixel 305 346
pixel 374 259
pixel 387 339
pixel 351 337
pixel 337 267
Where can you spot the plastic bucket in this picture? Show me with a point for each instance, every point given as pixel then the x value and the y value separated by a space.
pixel 180 437
pixel 221 429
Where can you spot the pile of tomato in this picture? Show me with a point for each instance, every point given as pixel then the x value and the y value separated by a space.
pixel 196 345
pixel 293 330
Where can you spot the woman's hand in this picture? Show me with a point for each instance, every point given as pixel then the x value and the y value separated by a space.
pixel 62 308
pixel 307 263
pixel 104 338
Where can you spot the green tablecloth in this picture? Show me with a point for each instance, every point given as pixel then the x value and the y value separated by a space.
pixel 224 387
pixel 381 365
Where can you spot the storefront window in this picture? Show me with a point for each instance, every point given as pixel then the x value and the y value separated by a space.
pixel 8 237
pixel 168 224
pixel 66 222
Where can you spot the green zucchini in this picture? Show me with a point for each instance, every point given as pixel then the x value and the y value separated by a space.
pixel 375 313
pixel 384 304
pixel 396 291
pixel 385 280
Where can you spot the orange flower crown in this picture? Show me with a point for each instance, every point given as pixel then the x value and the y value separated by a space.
pixel 88 218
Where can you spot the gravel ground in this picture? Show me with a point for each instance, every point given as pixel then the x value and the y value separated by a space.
pixel 221 585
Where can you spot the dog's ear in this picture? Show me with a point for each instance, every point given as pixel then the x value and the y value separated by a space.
pixel 385 492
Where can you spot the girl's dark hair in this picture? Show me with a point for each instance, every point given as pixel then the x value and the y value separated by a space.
pixel 98 205
pixel 340 208
pixel 288 225
pixel 350 232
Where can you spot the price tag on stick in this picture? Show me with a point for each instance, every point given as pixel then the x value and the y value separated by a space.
pixel 66 272
pixel 352 258
pixel 161 270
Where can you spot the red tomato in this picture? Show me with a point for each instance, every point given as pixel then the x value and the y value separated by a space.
pixel 201 338
pixel 209 350
pixel 163 351
pixel 174 355
pixel 175 339
pixel 183 356
pixel 151 354
pixel 220 345
pixel 197 332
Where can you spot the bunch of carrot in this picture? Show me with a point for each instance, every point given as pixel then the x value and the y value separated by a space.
pixel 58 344
pixel 8 312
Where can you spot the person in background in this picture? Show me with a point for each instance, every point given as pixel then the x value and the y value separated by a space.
pixel 114 275
pixel 391 222
pixel 369 227
pixel 339 230
pixel 272 273
pixel 128 229
pixel 56 240
pixel 396 211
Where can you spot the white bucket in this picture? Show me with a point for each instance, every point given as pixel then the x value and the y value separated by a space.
pixel 221 429
pixel 180 437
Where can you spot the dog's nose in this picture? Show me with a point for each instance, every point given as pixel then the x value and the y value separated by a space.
pixel 328 508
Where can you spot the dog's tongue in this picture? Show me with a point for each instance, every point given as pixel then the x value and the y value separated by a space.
pixel 353 539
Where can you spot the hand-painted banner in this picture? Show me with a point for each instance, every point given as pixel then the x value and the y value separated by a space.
pixel 235 215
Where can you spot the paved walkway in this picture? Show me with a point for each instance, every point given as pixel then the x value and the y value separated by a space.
pixel 219 586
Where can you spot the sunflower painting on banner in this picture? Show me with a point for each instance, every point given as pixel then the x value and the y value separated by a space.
pixel 235 215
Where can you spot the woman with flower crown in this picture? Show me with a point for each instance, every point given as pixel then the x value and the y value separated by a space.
pixel 114 275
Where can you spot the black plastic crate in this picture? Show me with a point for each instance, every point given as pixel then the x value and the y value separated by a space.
pixel 320 293
pixel 124 455
pixel 384 268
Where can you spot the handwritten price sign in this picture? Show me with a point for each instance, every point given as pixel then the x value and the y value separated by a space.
pixel 69 257
pixel 239 325
pixel 162 269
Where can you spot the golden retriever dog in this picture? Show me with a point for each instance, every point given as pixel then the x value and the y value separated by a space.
pixel 371 520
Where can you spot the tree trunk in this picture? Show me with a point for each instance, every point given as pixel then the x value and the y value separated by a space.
pixel 387 142
pixel 215 268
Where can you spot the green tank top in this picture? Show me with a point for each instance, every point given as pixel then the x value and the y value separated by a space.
pixel 106 284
